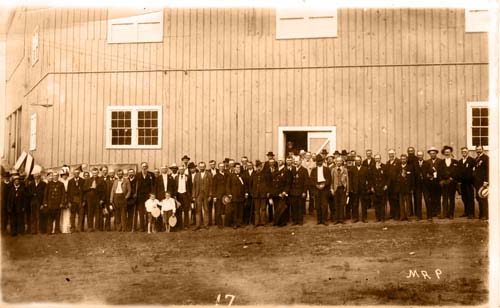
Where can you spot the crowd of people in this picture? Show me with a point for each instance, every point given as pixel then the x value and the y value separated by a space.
pixel 335 187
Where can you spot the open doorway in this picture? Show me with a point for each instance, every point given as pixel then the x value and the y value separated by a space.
pixel 309 138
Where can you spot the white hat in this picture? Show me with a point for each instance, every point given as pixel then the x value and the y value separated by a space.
pixel 37 169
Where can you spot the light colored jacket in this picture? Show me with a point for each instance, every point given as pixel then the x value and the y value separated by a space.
pixel 127 190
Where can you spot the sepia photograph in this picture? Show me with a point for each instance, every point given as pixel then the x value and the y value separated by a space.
pixel 249 153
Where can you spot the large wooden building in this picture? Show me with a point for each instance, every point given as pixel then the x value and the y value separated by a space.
pixel 112 86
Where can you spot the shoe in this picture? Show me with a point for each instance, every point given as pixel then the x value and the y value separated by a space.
pixel 355 221
pixel 365 221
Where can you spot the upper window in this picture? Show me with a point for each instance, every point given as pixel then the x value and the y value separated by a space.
pixel 143 28
pixel 33 132
pixel 477 124
pixel 134 127
pixel 295 23
pixel 34 47
pixel 477 20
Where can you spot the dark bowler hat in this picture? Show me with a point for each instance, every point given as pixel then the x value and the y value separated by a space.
pixel 270 154
pixel 258 163
pixel 324 151
pixel 226 160
pixel 336 152
pixel 319 158
pixel 185 157
pixel 344 153
pixel 191 165
pixel 446 147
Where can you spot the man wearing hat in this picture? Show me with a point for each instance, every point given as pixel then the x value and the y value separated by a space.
pixel 54 199
pixel 184 188
pixel 481 180
pixel 185 161
pixel 16 200
pixel 447 174
pixel 320 182
pixel 324 154
pixel 6 186
pixel 36 189
pixel 432 181
pixel 75 198
pixel 270 155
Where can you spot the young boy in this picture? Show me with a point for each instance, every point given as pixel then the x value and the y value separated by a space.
pixel 168 206
pixel 150 204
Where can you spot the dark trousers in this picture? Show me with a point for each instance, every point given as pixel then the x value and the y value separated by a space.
pixel 53 215
pixel 130 214
pixel 94 213
pixel 467 190
pixel 34 217
pixel 435 197
pixel 379 202
pixel 202 209
pixel 260 211
pixel 140 215
pixel 237 213
pixel 27 219
pixel 120 206
pixel 417 200
pixel 106 218
pixel 219 211
pixel 404 205
pixel 483 204
pixel 5 216
pixel 393 203
pixel 331 206
pixel 16 222
pixel 297 204
pixel 183 215
pixel 311 201
pixel 270 211
pixel 43 220
pixel 77 208
pixel 429 206
pixel 357 198
pixel 340 200
pixel 321 204
pixel 247 211
pixel 448 190
pixel 211 207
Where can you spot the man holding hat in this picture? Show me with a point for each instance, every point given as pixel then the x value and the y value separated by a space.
pixel 481 180
pixel 218 192
pixel 465 176
pixel 36 189
pixel 432 181
pixel 447 174
pixel 319 183
pixel 259 189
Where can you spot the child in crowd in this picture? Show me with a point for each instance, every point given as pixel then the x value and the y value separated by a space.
pixel 150 204
pixel 168 206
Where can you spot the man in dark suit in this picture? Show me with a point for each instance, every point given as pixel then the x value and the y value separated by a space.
pixel 320 184
pixel 16 203
pixel 131 200
pixel 6 185
pixel 432 183
pixel 108 178
pixel 412 160
pixel 481 179
pixel 247 177
pixel 392 168
pixel 164 184
pixel 211 205
pixel 465 178
pixel 377 180
pixel 184 188
pixel 75 198
pixel 447 174
pixel 202 193
pixel 280 188
pixel 35 190
pixel 298 192
pixel 235 189
pixel 145 186
pixel 259 189
pixel 339 189
pixel 369 163
pixel 192 170
pixel 94 190
pixel 218 191
pixel 358 189
pixel 420 167
pixel 404 186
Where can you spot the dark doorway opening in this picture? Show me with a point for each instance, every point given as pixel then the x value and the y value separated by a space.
pixel 295 141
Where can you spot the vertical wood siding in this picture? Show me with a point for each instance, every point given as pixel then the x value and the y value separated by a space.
pixel 392 78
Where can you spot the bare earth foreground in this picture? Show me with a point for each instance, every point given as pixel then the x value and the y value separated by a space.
pixel 348 264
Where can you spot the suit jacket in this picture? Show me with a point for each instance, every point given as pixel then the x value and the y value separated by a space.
pixel 219 185
pixel 54 195
pixel 300 177
pixel 36 193
pixel 378 179
pixel 260 184
pixel 145 186
pixel 392 169
pixel 281 180
pixel 481 171
pixel 465 171
pixel 247 177
pixel 235 187
pixel 75 190
pixel 16 199
pixel 447 172
pixel 368 165
pixel 202 187
pixel 160 187
pixel 108 181
pixel 431 171
pixel 405 179
pixel 313 178
pixel 99 191
pixel 131 200
pixel 420 173
pixel 358 180
pixel 127 190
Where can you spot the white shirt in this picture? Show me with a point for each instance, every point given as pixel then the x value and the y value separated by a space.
pixel 119 189
pixel 65 182
pixel 447 161
pixel 165 181
pixel 182 184
pixel 151 204
pixel 214 171
pixel 321 176
pixel 168 205
pixel 202 174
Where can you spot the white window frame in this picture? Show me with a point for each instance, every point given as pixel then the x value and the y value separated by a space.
pixel 134 120
pixel 33 123
pixel 477 20
pixel 470 106
pixel 133 23
pixel 35 44
pixel 309 18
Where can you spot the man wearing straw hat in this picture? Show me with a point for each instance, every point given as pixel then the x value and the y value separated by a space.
pixel 36 189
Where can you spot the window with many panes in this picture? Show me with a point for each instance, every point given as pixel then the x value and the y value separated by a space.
pixel 477 124
pixel 134 127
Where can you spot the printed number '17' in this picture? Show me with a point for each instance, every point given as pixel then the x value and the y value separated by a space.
pixel 232 297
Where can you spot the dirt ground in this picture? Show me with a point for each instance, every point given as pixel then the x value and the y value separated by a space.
pixel 351 264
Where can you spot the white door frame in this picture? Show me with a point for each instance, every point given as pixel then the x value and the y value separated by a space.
pixel 283 129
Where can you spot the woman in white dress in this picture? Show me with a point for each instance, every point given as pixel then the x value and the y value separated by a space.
pixel 65 211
